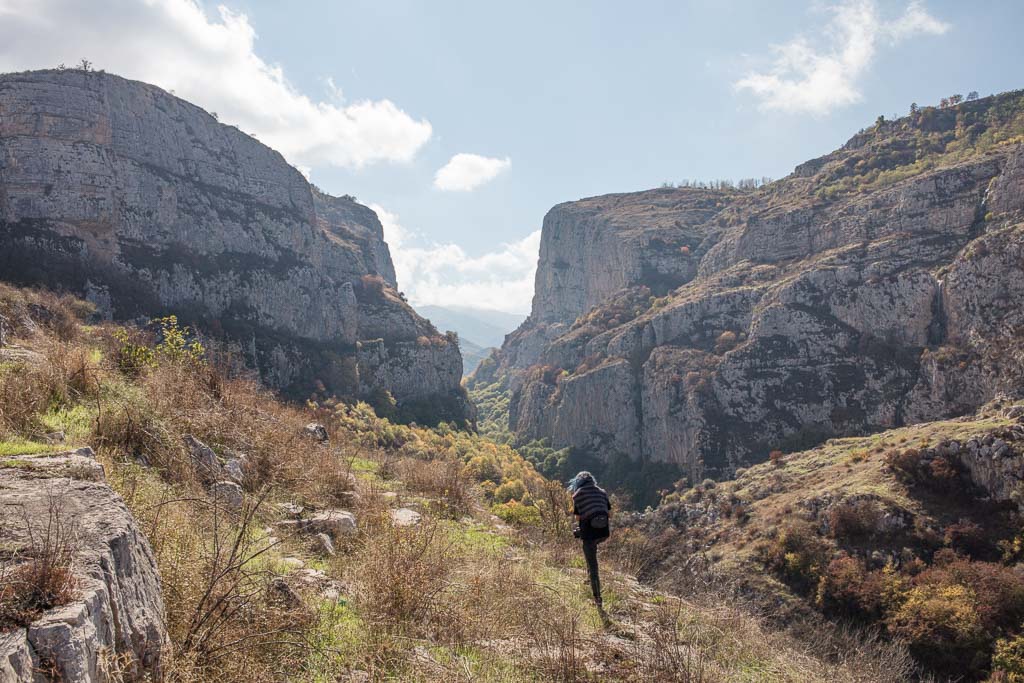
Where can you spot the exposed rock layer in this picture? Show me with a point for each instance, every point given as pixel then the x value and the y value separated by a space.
pixel 116 615
pixel 146 205
pixel 708 327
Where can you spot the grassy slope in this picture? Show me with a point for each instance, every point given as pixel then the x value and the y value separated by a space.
pixel 460 596
pixel 740 527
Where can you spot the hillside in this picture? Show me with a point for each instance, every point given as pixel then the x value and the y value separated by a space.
pixel 916 530
pixel 690 331
pixel 146 205
pixel 268 542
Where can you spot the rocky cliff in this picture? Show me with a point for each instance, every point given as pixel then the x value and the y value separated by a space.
pixel 111 627
pixel 876 286
pixel 146 205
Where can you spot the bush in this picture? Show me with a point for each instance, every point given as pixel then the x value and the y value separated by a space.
pixel 373 286
pixel 955 610
pixel 967 537
pixel 484 468
pixel 1008 659
pixel 798 553
pixel 444 480
pixel 938 473
pixel 725 341
pixel 509 491
pixel 941 624
pixel 854 520
pixel 848 588
pixel 403 572
pixel 514 512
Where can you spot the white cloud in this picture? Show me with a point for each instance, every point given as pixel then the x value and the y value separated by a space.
pixel 805 78
pixel 468 171
pixel 445 275
pixel 211 61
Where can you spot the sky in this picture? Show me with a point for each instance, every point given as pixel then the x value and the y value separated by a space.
pixel 461 123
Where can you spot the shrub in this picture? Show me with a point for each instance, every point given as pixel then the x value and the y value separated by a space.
pixel 484 468
pixel 403 572
pixel 967 537
pixel 776 458
pixel 515 512
pixel 954 611
pixel 134 355
pixel 939 473
pixel 725 341
pixel 373 285
pixel 941 624
pixel 798 553
pixel 509 491
pixel 442 479
pixel 848 588
pixel 853 520
pixel 1008 659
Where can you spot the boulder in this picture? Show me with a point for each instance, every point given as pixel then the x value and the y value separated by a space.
pixel 405 517
pixel 229 493
pixel 316 431
pixel 335 523
pixel 280 590
pixel 234 471
pixel 205 461
pixel 18 661
pixel 291 509
pixel 117 609
pixel 3 331
pixel 324 544
pixel 54 437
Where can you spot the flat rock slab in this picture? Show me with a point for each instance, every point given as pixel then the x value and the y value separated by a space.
pixel 405 517
pixel 335 523
pixel 118 607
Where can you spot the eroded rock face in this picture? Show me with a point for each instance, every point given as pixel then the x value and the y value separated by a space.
pixel 117 610
pixel 777 318
pixel 146 205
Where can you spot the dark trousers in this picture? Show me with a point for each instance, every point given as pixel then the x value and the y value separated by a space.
pixel 590 553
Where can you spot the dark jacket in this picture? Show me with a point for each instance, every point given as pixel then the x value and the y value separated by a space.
pixel 588 502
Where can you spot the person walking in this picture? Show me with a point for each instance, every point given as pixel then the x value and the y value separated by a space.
pixel 592 507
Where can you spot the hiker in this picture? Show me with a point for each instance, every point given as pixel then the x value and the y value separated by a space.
pixel 591 506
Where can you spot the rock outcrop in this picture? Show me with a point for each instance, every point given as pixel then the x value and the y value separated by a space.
pixel 113 624
pixel 879 285
pixel 146 205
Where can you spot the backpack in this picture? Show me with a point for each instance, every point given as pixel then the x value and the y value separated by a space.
pixel 597 528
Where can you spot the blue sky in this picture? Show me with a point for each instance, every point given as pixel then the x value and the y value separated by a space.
pixel 556 100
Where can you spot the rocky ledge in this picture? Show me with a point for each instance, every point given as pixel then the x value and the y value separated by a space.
pixel 112 628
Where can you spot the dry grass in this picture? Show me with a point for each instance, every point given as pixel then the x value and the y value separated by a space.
pixel 39 577
pixel 442 480
pixel 451 599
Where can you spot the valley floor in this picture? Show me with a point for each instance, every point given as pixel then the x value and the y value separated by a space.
pixel 322 543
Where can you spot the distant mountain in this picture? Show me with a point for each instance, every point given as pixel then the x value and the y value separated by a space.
pixel 484 327
pixel 472 354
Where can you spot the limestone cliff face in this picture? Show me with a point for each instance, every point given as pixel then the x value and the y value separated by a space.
pixel 870 289
pixel 147 205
